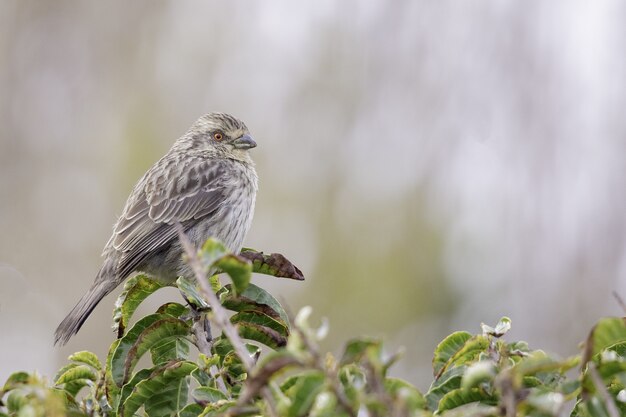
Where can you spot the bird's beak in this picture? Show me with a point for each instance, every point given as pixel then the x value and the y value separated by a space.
pixel 244 142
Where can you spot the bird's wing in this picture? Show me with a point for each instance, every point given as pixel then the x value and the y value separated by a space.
pixel 173 192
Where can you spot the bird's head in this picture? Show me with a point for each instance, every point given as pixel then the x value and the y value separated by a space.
pixel 221 133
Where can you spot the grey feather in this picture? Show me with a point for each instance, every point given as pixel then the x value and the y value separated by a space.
pixel 207 186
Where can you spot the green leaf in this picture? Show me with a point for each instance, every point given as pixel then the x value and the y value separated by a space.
pixel 261 333
pixel 222 347
pixel 450 380
pixel 147 333
pixel 448 347
pixel 15 380
pixel 261 319
pixel 254 298
pixel 191 292
pixel 238 269
pixel 169 400
pixel 87 358
pixel 459 397
pixel 112 391
pixel 129 387
pixel 15 401
pixel 220 409
pixel 191 410
pixel 273 264
pixel 353 378
pixel 303 393
pixel 605 334
pixel 205 395
pixel 212 251
pixel 170 349
pixel 478 373
pixel 539 364
pixel 356 349
pixel 173 309
pixel 229 362
pixel 136 289
pixel 202 375
pixel 76 373
pixel 405 395
pixel 73 387
pixel 161 383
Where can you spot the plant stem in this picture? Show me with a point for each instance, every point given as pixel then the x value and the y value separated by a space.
pixel 220 316
pixel 611 408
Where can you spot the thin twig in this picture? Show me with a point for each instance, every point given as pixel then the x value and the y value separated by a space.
pixel 220 316
pixel 205 347
pixel 611 408
pixel 620 301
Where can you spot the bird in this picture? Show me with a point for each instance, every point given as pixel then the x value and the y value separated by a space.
pixel 206 182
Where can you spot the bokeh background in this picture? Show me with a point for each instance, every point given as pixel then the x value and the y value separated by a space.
pixel 430 165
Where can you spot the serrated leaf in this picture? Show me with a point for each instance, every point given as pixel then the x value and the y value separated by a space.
pixel 136 289
pixel 88 358
pixel 273 264
pixel 459 397
pixel 447 349
pixel 262 334
pixel 169 400
pixel 261 319
pixel 76 373
pixel 129 387
pixel 254 298
pixel 170 349
pixel 449 381
pixel 73 387
pixel 143 336
pixel 160 380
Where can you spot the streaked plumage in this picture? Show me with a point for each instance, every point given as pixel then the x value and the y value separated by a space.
pixel 207 185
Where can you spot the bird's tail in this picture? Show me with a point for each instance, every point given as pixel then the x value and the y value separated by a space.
pixel 75 319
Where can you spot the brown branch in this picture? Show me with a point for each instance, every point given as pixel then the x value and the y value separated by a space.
pixel 220 315
pixel 611 408
pixel 205 347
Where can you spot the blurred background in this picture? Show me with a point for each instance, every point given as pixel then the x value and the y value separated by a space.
pixel 428 165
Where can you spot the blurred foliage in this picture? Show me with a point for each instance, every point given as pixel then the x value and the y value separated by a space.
pixel 474 374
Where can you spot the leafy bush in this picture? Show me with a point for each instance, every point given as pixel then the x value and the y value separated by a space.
pixel 280 371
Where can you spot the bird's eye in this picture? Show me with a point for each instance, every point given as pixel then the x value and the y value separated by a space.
pixel 218 136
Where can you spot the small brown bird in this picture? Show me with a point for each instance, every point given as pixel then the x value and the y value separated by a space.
pixel 206 182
